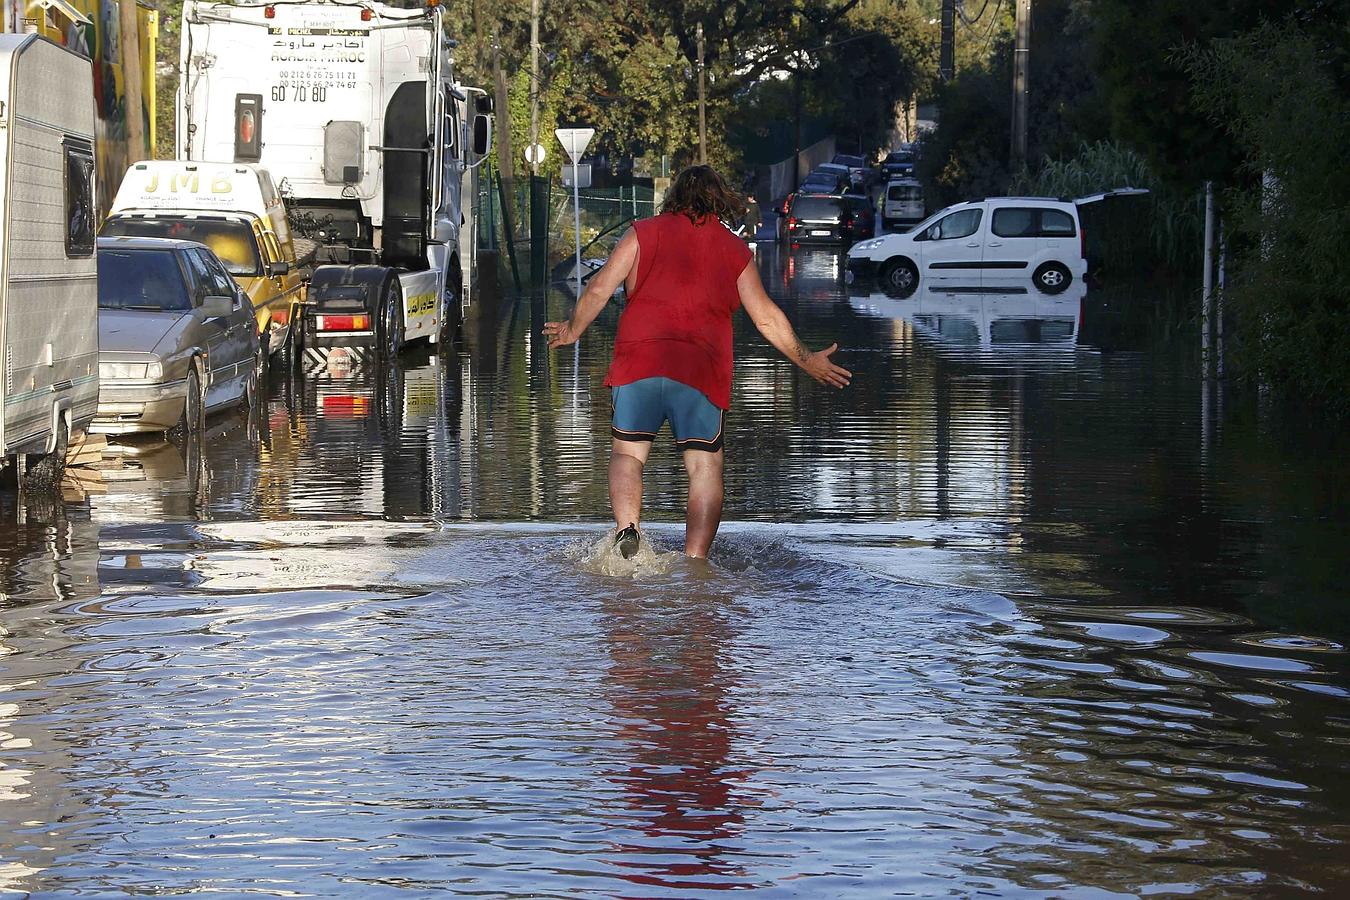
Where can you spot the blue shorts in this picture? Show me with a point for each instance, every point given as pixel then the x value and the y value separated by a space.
pixel 642 407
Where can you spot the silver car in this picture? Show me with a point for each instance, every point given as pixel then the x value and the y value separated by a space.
pixel 177 338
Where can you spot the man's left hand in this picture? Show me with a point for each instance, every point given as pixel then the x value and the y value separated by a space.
pixel 560 334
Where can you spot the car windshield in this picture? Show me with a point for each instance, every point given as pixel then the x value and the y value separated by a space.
pixel 141 279
pixel 230 239
pixel 901 156
pixel 816 208
pixel 904 192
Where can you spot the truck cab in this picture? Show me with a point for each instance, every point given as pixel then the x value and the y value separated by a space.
pixel 357 108
pixel 236 210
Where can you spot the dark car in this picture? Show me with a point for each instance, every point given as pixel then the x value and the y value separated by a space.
pixel 829 219
pixel 861 175
pixel 824 183
pixel 898 164
pixel 862 213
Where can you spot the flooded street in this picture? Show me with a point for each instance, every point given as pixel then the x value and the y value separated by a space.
pixel 1027 610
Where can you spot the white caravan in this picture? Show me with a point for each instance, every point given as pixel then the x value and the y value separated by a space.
pixel 355 109
pixel 48 279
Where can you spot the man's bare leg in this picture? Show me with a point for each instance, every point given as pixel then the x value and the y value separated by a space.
pixel 704 513
pixel 626 459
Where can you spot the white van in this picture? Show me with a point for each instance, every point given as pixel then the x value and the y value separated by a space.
pixel 999 240
pixel 902 205
pixel 48 279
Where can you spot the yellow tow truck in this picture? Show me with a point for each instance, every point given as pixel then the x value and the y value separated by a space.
pixel 237 211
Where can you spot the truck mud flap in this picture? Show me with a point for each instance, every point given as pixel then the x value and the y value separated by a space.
pixel 339 361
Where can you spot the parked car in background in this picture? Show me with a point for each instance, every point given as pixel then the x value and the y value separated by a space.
pixel 828 219
pixel 902 204
pixel 996 239
pixel 177 337
pixel 860 216
pixel 861 175
pixel 825 182
pixel 899 163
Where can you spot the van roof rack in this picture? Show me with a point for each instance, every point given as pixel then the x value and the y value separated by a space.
pixel 1046 199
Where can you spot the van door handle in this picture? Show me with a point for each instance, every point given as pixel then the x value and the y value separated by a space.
pixel 973 244
pixel 994 244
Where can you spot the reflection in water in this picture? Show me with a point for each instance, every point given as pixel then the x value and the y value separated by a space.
pixel 1005 617
pixel 672 698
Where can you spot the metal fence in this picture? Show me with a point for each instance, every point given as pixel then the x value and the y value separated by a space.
pixel 504 222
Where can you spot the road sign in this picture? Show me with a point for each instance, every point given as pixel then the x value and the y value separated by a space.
pixel 535 154
pixel 580 173
pixel 575 141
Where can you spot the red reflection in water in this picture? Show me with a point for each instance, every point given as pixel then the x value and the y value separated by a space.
pixel 670 693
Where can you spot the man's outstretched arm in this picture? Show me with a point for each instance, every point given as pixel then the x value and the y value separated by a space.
pixel 774 325
pixel 599 289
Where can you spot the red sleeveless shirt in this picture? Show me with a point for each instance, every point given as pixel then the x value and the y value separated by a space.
pixel 676 323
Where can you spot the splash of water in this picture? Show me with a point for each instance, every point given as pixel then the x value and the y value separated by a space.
pixel 602 557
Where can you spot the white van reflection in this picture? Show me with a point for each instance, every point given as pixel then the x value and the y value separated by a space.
pixel 984 321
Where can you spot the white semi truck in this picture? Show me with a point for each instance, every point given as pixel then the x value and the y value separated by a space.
pixel 354 107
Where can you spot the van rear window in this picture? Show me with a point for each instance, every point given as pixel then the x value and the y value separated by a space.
pixel 1013 221
pixel 231 240
pixel 904 192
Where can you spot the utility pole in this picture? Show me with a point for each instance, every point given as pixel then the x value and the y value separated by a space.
pixel 797 126
pixel 702 101
pixel 130 46
pixel 1021 58
pixel 947 54
pixel 534 81
pixel 506 163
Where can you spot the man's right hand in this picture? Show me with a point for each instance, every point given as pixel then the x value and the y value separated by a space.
pixel 819 367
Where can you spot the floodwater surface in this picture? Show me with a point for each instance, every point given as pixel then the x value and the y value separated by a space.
pixel 1028 610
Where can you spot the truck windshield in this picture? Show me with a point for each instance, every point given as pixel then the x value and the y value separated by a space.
pixel 230 239
pixel 141 279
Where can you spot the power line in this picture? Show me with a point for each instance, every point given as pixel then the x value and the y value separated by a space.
pixel 967 20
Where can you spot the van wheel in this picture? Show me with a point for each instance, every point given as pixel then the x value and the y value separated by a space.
pixel 900 277
pixel 391 320
pixel 263 369
pixel 1052 278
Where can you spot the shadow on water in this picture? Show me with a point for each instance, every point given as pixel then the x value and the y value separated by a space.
pixel 1025 611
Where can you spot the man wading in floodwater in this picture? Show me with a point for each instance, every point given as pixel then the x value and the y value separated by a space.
pixel 684 274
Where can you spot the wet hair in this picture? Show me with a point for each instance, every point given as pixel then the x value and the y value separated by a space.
pixel 699 192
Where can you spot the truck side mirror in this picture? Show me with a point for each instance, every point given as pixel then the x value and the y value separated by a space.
pixel 482 134
pixel 279 268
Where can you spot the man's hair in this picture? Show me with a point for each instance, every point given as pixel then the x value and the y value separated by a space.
pixel 699 192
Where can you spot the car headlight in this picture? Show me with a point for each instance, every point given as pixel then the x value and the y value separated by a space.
pixel 120 371
pixel 869 244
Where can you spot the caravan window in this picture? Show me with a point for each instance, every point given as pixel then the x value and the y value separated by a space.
pixel 80 213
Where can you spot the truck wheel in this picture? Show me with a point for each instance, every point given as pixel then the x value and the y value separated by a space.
pixel 1052 278
pixel 899 277
pixel 391 319
pixel 451 319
